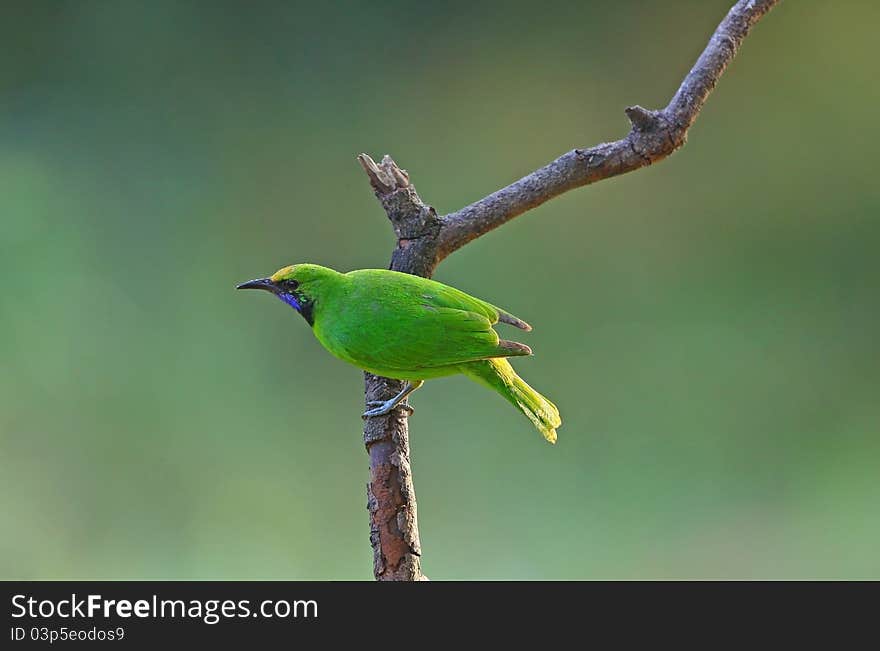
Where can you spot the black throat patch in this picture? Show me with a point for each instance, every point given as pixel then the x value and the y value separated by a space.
pixel 308 312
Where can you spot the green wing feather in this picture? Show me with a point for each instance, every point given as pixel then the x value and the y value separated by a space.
pixel 403 322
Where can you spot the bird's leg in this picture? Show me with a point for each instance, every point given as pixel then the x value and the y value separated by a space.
pixel 382 407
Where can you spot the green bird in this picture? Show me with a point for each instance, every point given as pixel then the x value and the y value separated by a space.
pixel 409 328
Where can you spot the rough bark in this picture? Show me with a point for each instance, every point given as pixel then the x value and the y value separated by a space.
pixel 424 239
pixel 391 498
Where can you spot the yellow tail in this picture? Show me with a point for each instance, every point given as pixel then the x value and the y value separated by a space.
pixel 498 374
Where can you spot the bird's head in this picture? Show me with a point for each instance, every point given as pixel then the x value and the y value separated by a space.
pixel 297 285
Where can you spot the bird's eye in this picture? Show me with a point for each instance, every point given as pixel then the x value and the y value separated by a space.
pixel 290 284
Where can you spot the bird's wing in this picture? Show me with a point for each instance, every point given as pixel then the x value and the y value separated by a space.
pixel 430 337
pixel 407 323
pixel 429 333
pixel 441 295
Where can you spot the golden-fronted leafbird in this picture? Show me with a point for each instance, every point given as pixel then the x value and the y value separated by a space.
pixel 409 328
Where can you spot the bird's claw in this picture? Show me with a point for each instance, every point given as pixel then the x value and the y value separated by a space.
pixel 383 407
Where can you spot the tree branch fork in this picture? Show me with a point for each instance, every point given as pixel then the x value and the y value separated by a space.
pixel 424 239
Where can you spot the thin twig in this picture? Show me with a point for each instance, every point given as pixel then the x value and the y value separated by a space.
pixel 654 135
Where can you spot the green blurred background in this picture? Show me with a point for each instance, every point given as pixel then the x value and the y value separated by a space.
pixel 708 326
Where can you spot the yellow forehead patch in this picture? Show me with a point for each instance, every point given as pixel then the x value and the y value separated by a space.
pixel 281 274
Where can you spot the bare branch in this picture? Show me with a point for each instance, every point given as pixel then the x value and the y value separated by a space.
pixel 391 496
pixel 424 239
pixel 654 136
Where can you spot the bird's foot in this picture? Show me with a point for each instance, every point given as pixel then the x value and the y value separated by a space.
pixel 383 407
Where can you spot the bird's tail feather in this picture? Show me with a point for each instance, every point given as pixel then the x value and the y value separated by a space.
pixel 498 374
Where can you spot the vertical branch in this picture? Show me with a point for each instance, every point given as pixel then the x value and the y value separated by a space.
pixel 391 497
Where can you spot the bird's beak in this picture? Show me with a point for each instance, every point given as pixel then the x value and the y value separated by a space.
pixel 259 283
